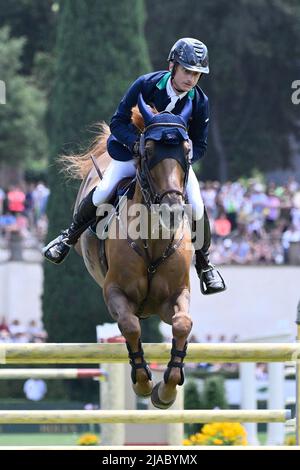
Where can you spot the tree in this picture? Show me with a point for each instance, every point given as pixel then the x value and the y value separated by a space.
pixel 192 401
pixel 214 394
pixel 254 50
pixel 22 133
pixel 99 53
pixel 33 20
pixel 150 330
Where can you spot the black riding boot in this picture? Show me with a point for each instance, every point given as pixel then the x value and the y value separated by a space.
pixel 57 250
pixel 211 281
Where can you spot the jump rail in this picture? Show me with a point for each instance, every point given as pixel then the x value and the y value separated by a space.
pixel 20 374
pixel 88 353
pixel 143 417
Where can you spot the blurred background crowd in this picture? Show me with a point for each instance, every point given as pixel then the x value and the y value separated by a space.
pixel 251 222
pixel 65 65
pixel 16 332
pixel 23 210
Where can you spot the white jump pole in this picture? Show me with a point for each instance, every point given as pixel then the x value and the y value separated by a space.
pixel 248 398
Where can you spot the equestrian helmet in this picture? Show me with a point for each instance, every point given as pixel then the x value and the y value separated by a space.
pixel 191 54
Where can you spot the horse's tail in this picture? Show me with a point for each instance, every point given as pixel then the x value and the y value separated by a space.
pixel 77 166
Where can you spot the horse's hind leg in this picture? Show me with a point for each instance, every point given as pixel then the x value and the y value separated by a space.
pixel 164 393
pixel 123 311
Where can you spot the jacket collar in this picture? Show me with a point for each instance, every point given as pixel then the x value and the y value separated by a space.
pixel 162 83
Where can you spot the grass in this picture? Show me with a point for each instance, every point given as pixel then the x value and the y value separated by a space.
pixel 59 439
pixel 33 439
pixel 262 438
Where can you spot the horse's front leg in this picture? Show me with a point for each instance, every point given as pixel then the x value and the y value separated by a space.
pixel 123 311
pixel 164 393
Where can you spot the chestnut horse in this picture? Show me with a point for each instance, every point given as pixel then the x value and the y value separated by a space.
pixel 146 276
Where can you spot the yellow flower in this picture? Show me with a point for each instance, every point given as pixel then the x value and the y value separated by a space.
pixel 88 439
pixel 201 440
pixel 220 434
pixel 290 440
pixel 218 442
pixel 186 442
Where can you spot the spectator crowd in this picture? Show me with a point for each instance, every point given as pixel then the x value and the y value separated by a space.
pixel 252 223
pixel 23 210
pixel 15 332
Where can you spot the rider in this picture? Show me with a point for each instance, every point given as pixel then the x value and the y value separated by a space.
pixel 188 60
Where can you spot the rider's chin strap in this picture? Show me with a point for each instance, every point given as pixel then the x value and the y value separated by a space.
pixel 173 71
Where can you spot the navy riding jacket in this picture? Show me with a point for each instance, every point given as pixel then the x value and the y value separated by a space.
pixel 153 88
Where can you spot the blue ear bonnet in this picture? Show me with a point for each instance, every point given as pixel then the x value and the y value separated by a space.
pixel 170 134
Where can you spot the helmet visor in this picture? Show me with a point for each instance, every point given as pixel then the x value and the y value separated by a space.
pixel 203 68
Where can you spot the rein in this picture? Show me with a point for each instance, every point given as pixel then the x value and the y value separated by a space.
pixel 151 196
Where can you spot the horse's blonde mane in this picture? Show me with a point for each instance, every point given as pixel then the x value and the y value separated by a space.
pixel 78 166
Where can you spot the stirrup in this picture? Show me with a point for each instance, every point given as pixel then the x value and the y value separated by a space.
pixel 62 238
pixel 203 287
pixel 134 366
pixel 175 352
pixel 57 250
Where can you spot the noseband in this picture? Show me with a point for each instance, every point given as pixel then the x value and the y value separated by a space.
pixel 144 177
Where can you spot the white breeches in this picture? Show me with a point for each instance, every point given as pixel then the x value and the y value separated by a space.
pixel 119 169
pixel 194 195
pixel 111 177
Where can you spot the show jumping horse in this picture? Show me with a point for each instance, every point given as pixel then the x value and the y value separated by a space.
pixel 146 276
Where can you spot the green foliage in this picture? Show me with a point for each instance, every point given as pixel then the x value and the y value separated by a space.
pixel 214 395
pixel 98 54
pixel 192 397
pixel 150 330
pixel 254 58
pixel 22 135
pixel 44 71
pixel 34 20
pixel 86 391
pixel 192 401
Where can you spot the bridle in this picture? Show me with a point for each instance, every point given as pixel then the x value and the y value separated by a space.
pixel 145 180
pixel 144 177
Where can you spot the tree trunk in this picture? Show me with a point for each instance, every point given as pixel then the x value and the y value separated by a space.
pixel 218 145
pixel 10 175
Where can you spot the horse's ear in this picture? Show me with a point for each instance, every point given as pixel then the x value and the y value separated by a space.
pixel 145 110
pixel 137 119
pixel 187 111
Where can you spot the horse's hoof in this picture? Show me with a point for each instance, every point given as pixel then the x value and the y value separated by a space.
pixel 156 401
pixel 143 395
